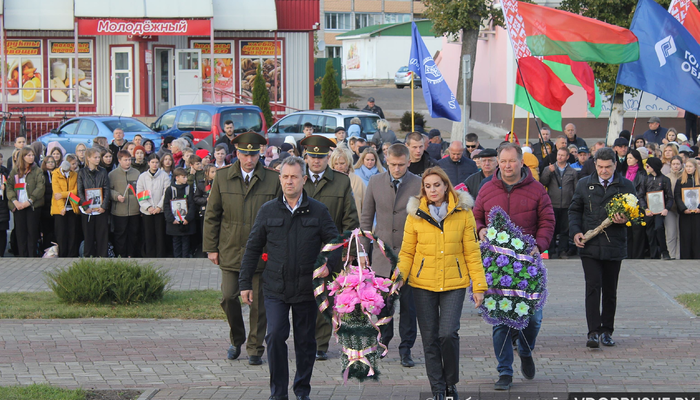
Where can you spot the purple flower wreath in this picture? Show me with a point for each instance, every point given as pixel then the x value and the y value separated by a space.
pixel 517 280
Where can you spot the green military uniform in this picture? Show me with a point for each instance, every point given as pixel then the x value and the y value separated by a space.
pixel 230 215
pixel 335 192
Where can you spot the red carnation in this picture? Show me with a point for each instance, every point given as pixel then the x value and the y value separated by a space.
pixel 264 257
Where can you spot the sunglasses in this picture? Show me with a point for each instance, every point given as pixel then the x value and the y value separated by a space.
pixel 471 147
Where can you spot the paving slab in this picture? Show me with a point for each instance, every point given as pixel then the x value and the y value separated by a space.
pixel 658 344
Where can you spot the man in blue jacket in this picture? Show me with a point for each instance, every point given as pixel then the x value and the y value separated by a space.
pixel 457 167
pixel 293 227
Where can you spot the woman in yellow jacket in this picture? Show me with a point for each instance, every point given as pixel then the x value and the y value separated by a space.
pixel 439 257
pixel 64 181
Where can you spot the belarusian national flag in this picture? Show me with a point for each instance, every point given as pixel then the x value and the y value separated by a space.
pixel 547 92
pixel 130 187
pixel 74 198
pixel 685 12
pixel 552 32
pixel 19 186
pixel 577 73
pixel 145 195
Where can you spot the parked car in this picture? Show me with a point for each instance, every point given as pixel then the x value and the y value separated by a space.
pixel 85 129
pixel 403 78
pixel 205 122
pixel 324 122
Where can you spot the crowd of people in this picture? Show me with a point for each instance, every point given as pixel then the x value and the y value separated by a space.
pixel 261 213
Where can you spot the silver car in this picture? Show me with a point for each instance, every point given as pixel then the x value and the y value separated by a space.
pixel 403 78
pixel 324 122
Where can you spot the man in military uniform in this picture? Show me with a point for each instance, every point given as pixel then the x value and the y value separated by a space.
pixel 332 189
pixel 237 193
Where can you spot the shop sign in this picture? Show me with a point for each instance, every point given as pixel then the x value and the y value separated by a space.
pixel 69 47
pixel 23 47
pixel 219 48
pixel 260 48
pixel 140 27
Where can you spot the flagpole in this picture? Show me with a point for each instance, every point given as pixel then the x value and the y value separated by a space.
pixel 612 103
pixel 527 94
pixel 512 120
pixel 636 114
pixel 413 113
pixel 527 129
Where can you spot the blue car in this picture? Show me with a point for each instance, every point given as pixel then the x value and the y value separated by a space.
pixel 85 129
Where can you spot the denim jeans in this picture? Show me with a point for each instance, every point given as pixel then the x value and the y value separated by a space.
pixel 503 346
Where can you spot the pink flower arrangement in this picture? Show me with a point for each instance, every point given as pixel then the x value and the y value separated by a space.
pixel 358 286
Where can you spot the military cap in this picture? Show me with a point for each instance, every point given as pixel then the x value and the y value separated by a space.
pixel 249 143
pixel 317 146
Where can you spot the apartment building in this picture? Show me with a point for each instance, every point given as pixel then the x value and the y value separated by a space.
pixel 340 16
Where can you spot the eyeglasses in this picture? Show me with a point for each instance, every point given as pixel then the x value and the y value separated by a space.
pixel 469 146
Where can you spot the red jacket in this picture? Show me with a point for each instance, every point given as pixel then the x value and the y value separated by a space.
pixel 527 205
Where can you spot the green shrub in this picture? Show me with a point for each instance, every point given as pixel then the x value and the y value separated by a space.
pixel 405 122
pixel 102 281
pixel 330 93
pixel 261 96
pixel 353 106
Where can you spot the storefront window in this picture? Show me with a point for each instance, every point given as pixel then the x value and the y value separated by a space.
pixel 221 73
pixel 63 74
pixel 261 53
pixel 24 70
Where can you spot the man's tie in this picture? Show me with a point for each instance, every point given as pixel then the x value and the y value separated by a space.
pixel 605 184
pixel 396 185
pixel 316 179
pixel 247 181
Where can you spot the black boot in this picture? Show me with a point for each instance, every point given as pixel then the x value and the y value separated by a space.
pixel 451 393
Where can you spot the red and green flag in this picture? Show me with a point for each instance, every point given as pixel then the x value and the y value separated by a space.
pixel 551 32
pixel 20 186
pixel 547 93
pixel 145 195
pixel 577 73
pixel 131 188
pixel 74 198
pixel 688 15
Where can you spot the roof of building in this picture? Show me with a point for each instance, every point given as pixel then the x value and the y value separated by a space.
pixel 425 27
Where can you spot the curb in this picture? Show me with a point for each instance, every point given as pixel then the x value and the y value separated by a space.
pixel 148 394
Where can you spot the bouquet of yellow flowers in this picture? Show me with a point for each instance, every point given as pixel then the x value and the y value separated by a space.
pixel 625 204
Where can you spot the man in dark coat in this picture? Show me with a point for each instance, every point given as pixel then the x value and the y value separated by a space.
pixel 488 166
pixel 571 138
pixel 333 189
pixel 237 193
pixel 656 133
pixel 373 108
pixel 436 146
pixel 541 151
pixel 457 167
pixel 293 227
pixel 602 255
pixel 525 201
pixel 227 137
pixel 385 202
pixel 420 160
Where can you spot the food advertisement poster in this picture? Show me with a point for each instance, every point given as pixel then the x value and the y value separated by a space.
pixel 221 73
pixel 63 74
pixel 24 70
pixel 254 53
pixel 352 61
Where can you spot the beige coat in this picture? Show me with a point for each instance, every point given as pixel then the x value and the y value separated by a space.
pixel 389 208
pixel 358 190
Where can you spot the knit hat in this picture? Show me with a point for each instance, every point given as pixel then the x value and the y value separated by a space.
pixel 139 147
pixel 655 164
pixel 644 152
pixel 286 147
pixel 202 153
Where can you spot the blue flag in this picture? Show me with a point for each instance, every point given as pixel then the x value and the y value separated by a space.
pixel 669 58
pixel 438 96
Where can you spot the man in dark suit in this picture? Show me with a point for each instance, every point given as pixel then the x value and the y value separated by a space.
pixel 602 255
pixel 334 191
pixel 385 199
pixel 293 227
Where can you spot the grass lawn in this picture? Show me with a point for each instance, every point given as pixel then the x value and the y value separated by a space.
pixel 47 392
pixel 40 392
pixel 191 304
pixel 691 301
